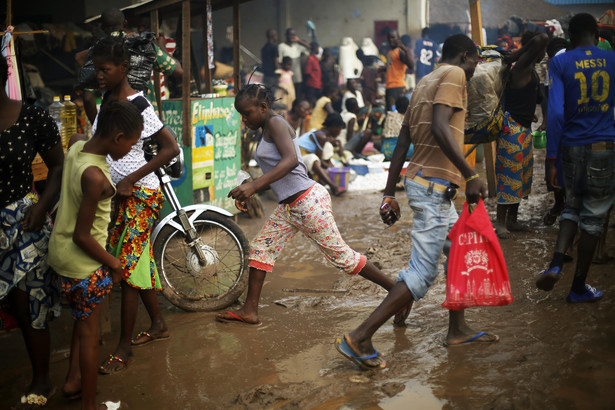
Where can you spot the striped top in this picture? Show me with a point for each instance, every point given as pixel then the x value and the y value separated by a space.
pixel 446 85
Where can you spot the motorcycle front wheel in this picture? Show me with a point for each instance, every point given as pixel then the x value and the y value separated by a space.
pixel 216 282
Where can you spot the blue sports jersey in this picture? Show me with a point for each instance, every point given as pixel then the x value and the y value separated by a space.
pixel 426 52
pixel 581 98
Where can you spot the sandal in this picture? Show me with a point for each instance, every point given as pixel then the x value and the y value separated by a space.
pixel 106 369
pixel 145 337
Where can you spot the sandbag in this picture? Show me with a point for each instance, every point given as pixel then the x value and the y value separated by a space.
pixel 142 58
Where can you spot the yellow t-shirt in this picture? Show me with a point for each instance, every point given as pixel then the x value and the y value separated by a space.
pixel 319 114
pixel 65 257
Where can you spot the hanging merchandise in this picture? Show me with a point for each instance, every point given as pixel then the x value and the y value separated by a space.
pixel 13 85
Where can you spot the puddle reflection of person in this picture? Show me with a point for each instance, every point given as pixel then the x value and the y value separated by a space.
pixel 304 205
pixel 435 119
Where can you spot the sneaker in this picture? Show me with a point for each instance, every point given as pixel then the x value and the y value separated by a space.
pixel 591 295
pixel 547 280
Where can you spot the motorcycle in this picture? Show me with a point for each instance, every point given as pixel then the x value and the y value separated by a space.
pixel 201 254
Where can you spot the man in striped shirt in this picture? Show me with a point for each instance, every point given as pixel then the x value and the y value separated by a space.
pixel 434 123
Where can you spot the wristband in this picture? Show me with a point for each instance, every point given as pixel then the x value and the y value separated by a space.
pixel 472 178
pixel 388 196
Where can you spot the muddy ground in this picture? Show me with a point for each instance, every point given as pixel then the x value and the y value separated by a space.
pixel 552 355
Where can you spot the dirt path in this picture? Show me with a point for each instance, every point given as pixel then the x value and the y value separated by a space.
pixel 551 355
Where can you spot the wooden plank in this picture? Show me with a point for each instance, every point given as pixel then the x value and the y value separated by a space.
pixel 156 5
pixel 477 36
pixel 236 49
pixel 153 25
pixel 207 76
pixel 186 126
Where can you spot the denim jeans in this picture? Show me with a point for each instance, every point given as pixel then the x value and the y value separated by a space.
pixel 589 178
pixel 434 216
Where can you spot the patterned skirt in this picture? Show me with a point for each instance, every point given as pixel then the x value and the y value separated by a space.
pixel 23 262
pixel 130 237
pixel 514 164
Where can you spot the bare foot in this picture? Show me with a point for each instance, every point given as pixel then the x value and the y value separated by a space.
pixel 72 389
pixel 238 316
pixel 502 232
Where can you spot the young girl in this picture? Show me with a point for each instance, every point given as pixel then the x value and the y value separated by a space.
pixel 81 231
pixel 286 88
pixel 303 204
pixel 138 189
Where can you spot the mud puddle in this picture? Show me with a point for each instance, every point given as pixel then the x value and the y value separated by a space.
pixel 551 355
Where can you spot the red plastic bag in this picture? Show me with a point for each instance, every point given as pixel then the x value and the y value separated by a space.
pixel 477 274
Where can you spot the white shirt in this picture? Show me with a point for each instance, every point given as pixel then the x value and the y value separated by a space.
pixel 358 97
pixel 135 159
pixel 293 51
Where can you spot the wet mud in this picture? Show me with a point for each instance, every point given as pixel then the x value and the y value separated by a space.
pixel 552 355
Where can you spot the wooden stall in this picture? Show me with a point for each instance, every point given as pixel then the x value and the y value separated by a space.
pixel 208 127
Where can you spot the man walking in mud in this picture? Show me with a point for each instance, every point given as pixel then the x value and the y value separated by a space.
pixel 435 123
pixel 581 128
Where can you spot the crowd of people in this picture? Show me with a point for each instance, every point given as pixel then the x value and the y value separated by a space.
pixel 294 146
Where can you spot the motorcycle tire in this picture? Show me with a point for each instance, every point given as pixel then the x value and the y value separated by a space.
pixel 192 286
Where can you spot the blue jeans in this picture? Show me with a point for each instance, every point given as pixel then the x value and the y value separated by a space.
pixel 589 178
pixel 434 216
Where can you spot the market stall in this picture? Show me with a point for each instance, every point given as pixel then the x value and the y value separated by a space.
pixel 208 127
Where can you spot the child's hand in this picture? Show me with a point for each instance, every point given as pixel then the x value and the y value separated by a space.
pixel 124 188
pixel 116 271
pixel 34 218
pixel 243 192
pixel 241 205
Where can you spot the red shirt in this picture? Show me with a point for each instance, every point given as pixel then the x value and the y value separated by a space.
pixel 312 72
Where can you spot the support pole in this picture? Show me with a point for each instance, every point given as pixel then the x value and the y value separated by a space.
pixel 236 47
pixel 477 36
pixel 206 69
pixel 153 25
pixel 186 122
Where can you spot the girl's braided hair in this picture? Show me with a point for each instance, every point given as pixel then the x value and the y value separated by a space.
pixel 257 93
pixel 113 49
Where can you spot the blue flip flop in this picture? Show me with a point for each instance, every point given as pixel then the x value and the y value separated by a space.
pixel 342 346
pixel 474 339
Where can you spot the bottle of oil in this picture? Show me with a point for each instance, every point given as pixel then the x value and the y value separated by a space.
pixel 69 120
pixel 55 110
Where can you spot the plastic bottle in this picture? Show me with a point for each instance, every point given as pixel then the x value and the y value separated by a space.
pixel 55 110
pixel 69 120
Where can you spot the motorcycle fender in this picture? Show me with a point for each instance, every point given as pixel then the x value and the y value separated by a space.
pixel 196 209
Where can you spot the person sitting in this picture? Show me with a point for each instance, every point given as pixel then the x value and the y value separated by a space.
pixel 324 106
pixel 353 138
pixel 352 92
pixel 317 150
pixel 297 114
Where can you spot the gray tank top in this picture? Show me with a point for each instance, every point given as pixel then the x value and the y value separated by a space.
pixel 267 156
